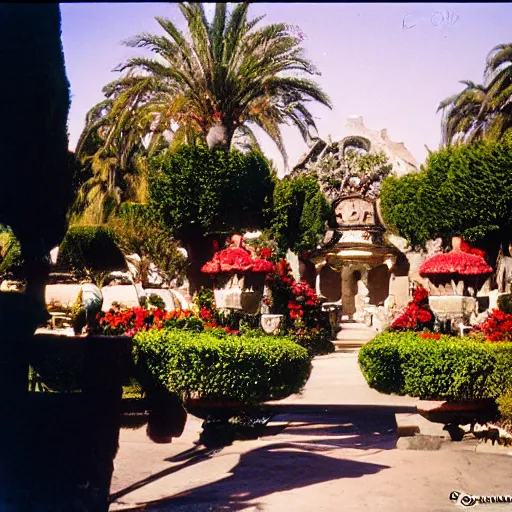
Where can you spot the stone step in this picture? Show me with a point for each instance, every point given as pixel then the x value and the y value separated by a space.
pixel 414 432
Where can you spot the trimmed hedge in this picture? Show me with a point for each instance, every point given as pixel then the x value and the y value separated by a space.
pixel 10 252
pixel 91 247
pixel 250 369
pixel 450 368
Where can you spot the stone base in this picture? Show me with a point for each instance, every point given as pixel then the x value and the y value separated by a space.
pixel 456 308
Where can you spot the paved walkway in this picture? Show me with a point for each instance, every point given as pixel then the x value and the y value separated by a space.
pixel 331 448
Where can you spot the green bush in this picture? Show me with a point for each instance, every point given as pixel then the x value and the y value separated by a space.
pixel 316 340
pixel 505 406
pixel 300 213
pixel 505 303
pixel 243 368
pixel 462 190
pixel 92 248
pixel 10 252
pixel 450 368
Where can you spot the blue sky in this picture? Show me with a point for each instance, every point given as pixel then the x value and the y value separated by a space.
pixel 390 63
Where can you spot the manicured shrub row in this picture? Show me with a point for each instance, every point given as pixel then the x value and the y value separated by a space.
pixel 450 368
pixel 251 368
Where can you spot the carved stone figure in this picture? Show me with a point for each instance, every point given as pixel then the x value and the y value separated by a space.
pixel 352 212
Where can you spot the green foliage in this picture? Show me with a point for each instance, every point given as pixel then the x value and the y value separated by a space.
pixel 216 81
pixel 10 252
pixel 36 176
pixel 77 314
pixel 204 298
pixel 505 405
pixel 156 301
pixel 316 340
pixel 462 191
pixel 481 111
pixel 90 249
pixel 350 172
pixel 300 213
pixel 221 367
pixel 451 368
pixel 505 303
pixel 196 192
pixel 137 231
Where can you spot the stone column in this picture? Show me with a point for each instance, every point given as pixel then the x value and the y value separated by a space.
pixel 318 269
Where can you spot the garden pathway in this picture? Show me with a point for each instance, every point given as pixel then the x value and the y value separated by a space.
pixel 331 448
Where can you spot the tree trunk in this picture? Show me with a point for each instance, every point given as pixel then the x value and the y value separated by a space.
pixel 219 135
pixel 199 252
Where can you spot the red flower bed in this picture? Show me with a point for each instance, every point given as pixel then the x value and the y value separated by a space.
pixel 417 314
pixel 129 321
pixel 497 327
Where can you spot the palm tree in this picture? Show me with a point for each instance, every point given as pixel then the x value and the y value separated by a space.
pixel 482 111
pixel 461 121
pixel 113 157
pixel 217 84
pixel 497 106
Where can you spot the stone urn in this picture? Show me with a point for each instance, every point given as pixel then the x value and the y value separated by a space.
pixel 250 301
pixel 271 323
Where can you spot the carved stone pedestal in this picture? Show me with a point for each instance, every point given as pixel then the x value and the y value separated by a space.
pixel 271 323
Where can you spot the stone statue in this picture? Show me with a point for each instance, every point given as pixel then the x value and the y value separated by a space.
pixel 354 211
pixel 361 297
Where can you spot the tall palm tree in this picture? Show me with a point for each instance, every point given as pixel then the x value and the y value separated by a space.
pixel 217 82
pixel 497 106
pixel 482 111
pixel 113 157
pixel 461 121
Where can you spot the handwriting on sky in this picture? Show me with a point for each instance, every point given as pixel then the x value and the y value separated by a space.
pixel 436 19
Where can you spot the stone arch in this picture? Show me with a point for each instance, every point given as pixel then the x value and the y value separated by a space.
pixel 356 142
pixel 378 284
pixel 330 284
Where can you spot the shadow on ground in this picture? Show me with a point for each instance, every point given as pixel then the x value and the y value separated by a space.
pixel 260 472
pixel 291 458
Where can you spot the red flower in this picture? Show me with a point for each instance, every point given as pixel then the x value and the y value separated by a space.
pixel 430 336
pixel 266 253
pixel 497 327
pixel 205 313
pixel 236 259
pixel 416 313
pixel 455 262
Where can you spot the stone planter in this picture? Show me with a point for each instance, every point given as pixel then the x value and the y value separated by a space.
pixel 271 323
pixel 455 308
pixel 250 302
pixel 457 412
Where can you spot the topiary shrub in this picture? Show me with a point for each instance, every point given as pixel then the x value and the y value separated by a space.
pixel 209 366
pixel 91 248
pixel 450 368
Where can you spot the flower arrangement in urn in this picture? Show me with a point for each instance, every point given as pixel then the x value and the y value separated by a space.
pixel 239 275
pixel 463 263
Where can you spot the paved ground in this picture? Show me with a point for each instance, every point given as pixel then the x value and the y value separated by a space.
pixel 330 449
